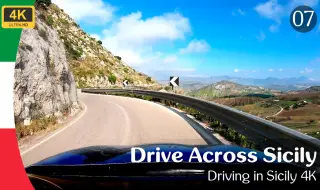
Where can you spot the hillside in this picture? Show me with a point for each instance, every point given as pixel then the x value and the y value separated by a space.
pixel 311 89
pixel 228 89
pixel 91 63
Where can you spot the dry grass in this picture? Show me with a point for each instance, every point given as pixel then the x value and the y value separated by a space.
pixel 257 110
pixel 36 126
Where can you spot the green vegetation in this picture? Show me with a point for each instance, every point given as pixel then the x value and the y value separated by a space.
pixel 25 46
pixel 148 79
pixel 129 79
pixel 82 84
pixel 167 88
pixel 49 20
pixel 226 89
pixel 73 53
pixel 100 73
pixel 43 34
pixel 126 70
pixel 117 57
pixel 112 79
pixel 100 42
pixel 63 22
pixel 46 2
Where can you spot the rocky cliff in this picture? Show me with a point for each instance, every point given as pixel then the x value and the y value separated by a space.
pixel 44 84
pixel 57 57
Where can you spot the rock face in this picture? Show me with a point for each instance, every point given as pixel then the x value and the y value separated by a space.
pixel 43 84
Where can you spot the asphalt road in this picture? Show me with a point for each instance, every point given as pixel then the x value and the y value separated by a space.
pixel 114 120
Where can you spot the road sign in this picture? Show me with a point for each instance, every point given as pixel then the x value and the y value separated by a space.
pixel 18 17
pixel 125 83
pixel 174 81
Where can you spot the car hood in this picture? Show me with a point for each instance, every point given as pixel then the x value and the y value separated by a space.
pixel 122 154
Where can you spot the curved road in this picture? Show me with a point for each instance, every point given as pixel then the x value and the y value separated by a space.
pixel 114 120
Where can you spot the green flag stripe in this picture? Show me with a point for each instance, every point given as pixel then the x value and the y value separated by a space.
pixel 10 37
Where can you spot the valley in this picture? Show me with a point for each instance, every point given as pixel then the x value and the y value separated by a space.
pixel 299 110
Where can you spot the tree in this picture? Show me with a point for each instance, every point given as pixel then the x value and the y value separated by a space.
pixel 46 2
pixel 149 79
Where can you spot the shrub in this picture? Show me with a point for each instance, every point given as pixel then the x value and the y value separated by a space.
pixel 149 79
pixel 112 78
pixel 167 88
pixel 46 2
pixel 100 42
pixel 100 73
pixel 126 70
pixel 75 54
pixel 43 34
pixel 118 57
pixel 49 20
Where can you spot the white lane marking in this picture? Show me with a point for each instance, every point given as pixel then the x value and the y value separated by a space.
pixel 127 127
pixel 56 133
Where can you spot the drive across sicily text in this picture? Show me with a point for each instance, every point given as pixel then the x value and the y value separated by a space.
pixel 271 155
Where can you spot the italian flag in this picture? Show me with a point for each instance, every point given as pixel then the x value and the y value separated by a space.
pixel 12 172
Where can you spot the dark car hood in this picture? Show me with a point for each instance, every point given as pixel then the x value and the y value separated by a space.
pixel 122 154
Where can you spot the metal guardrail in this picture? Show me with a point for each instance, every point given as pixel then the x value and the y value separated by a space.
pixel 260 131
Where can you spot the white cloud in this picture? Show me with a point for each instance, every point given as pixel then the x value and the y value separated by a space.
pixel 294 3
pixel 196 46
pixel 236 70
pixel 270 70
pixel 261 36
pixel 280 70
pixel 90 11
pixel 96 36
pixel 306 70
pixel 170 59
pixel 238 12
pixel 274 11
pixel 241 12
pixel 133 37
pixel 270 9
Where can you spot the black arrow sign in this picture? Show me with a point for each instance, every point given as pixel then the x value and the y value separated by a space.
pixel 174 81
pixel 125 83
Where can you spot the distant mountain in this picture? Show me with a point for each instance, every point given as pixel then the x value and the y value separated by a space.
pixel 282 84
pixel 312 89
pixel 228 89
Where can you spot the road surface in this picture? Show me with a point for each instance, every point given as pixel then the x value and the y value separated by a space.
pixel 115 120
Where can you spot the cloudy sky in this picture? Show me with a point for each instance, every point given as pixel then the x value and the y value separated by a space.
pixel 203 37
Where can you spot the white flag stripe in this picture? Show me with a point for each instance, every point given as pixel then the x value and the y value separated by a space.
pixel 6 100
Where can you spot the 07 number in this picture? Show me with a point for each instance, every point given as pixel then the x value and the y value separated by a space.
pixel 302 18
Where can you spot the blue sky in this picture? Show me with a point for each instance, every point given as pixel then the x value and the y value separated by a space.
pixel 204 37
